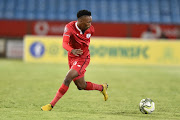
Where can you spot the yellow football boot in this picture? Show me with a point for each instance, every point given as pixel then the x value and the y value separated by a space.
pixel 47 107
pixel 104 91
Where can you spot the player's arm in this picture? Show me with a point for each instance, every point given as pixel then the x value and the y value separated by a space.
pixel 66 46
pixel 66 43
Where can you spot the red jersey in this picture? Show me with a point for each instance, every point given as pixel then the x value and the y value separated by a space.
pixel 78 39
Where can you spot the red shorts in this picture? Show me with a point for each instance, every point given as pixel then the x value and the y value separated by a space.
pixel 78 64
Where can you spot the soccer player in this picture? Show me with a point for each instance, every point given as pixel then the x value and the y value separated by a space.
pixel 76 40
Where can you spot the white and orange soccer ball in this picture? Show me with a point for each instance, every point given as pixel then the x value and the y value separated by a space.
pixel 147 106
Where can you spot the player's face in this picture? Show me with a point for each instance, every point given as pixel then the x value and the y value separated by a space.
pixel 86 22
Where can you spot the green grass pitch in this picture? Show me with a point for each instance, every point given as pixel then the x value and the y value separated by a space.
pixel 25 87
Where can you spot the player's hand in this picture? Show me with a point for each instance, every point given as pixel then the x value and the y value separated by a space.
pixel 77 52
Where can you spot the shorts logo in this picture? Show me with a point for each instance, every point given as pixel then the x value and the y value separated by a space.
pixel 75 63
pixel 88 35
pixel 79 65
pixel 37 49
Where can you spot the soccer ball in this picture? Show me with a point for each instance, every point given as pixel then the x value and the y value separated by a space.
pixel 146 106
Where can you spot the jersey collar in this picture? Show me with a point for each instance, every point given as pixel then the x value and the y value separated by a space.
pixel 78 28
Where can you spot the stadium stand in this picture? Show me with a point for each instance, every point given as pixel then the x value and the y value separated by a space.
pixel 134 11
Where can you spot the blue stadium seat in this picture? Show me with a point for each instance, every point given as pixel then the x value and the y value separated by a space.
pixel 72 10
pixel 19 15
pixel 134 10
pixel 154 11
pixel 30 11
pixel 40 16
pixel 61 16
pixel 2 4
pixel 51 5
pixel 20 9
pixel 51 15
pixel 124 11
pixel 114 11
pixel 94 9
pixel 10 5
pixel 31 5
pixel 30 15
pixel 146 11
pixel 165 11
pixel 9 14
pixel 21 5
pixel 103 12
pixel 175 11
pixel 9 9
pixel 41 5
pixel 1 14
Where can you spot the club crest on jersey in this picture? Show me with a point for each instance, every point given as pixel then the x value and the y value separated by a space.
pixel 88 35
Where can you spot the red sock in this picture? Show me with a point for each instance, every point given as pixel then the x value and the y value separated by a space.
pixel 62 90
pixel 93 86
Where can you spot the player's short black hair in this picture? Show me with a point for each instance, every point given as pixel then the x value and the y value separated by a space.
pixel 82 13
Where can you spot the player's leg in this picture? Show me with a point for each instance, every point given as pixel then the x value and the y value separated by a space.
pixel 62 90
pixel 64 87
pixel 80 83
pixel 83 85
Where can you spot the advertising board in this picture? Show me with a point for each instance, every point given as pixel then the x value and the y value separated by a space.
pixel 105 51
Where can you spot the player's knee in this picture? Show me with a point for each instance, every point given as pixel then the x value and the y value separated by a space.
pixel 81 87
pixel 70 76
pixel 67 81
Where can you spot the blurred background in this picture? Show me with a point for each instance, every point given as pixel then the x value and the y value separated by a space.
pixel 140 19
